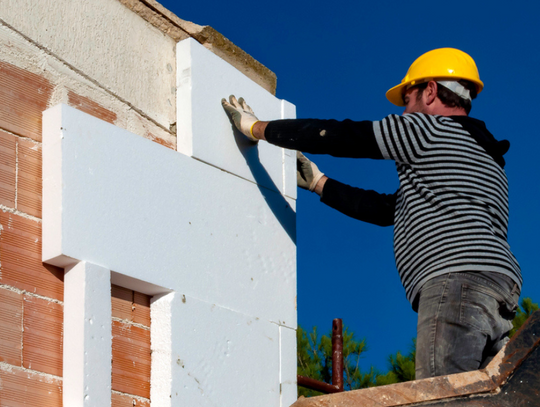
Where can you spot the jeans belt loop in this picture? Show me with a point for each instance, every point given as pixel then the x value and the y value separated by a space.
pixel 515 290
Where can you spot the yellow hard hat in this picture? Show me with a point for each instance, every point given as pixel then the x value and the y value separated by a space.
pixel 439 64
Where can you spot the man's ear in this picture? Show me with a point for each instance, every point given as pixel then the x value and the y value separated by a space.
pixel 430 93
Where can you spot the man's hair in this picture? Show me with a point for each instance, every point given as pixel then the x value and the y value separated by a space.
pixel 449 98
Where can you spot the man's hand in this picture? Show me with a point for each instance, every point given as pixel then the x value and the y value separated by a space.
pixel 242 116
pixel 307 173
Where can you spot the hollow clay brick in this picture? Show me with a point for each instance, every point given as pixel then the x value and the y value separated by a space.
pixel 26 389
pixel 165 143
pixel 7 169
pixel 42 337
pixel 92 108
pixel 123 400
pixel 130 305
pixel 130 359
pixel 20 258
pixel 29 183
pixel 23 96
pixel 141 309
pixel 10 327
pixel 122 302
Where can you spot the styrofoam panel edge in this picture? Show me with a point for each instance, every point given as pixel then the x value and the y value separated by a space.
pixel 87 348
pixel 161 346
pixel 288 111
pixel 51 189
pixel 135 284
pixel 287 366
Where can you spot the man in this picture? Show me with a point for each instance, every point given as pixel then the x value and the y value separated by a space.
pixel 450 213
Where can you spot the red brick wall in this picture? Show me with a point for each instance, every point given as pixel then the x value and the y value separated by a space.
pixel 130 342
pixel 31 293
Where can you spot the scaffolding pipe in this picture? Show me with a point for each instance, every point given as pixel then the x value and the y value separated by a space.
pixel 337 365
pixel 337 353
pixel 317 385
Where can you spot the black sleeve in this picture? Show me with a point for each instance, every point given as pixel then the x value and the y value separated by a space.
pixel 368 206
pixel 345 138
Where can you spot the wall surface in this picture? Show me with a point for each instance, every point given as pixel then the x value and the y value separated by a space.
pixel 53 52
pixel 217 248
pixel 220 290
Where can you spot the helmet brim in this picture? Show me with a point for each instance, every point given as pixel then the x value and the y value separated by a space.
pixel 395 94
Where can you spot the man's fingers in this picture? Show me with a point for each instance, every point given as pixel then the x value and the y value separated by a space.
pixel 302 159
pixel 228 108
pixel 234 102
pixel 300 156
pixel 245 106
pixel 237 104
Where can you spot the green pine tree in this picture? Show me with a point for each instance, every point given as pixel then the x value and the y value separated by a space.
pixel 523 313
pixel 401 368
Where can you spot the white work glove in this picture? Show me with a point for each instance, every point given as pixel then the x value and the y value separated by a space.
pixel 307 173
pixel 241 115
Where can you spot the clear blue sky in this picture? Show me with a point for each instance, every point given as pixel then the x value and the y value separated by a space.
pixel 337 60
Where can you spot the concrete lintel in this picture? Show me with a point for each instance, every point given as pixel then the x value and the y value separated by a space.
pixel 178 29
pixel 87 336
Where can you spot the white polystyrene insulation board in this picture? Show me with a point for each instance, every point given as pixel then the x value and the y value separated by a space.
pixel 87 336
pixel 117 200
pixel 204 129
pixel 221 357
pixel 288 366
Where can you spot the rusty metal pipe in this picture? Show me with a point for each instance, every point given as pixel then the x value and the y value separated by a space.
pixel 317 385
pixel 337 364
pixel 337 353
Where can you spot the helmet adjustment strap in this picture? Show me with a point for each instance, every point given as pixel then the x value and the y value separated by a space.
pixel 457 88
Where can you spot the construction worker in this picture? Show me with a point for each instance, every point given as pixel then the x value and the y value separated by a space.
pixel 450 213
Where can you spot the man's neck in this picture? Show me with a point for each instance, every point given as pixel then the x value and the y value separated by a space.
pixel 439 109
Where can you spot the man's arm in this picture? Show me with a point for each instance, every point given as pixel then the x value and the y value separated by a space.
pixel 258 130
pixel 365 205
pixel 345 138
pixel 368 206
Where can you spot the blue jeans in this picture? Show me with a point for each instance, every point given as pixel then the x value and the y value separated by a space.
pixel 463 321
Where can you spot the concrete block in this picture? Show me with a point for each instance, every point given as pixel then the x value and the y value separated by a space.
pixel 204 129
pixel 87 336
pixel 165 220
pixel 113 56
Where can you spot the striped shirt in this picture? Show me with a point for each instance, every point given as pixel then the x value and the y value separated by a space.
pixel 451 211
